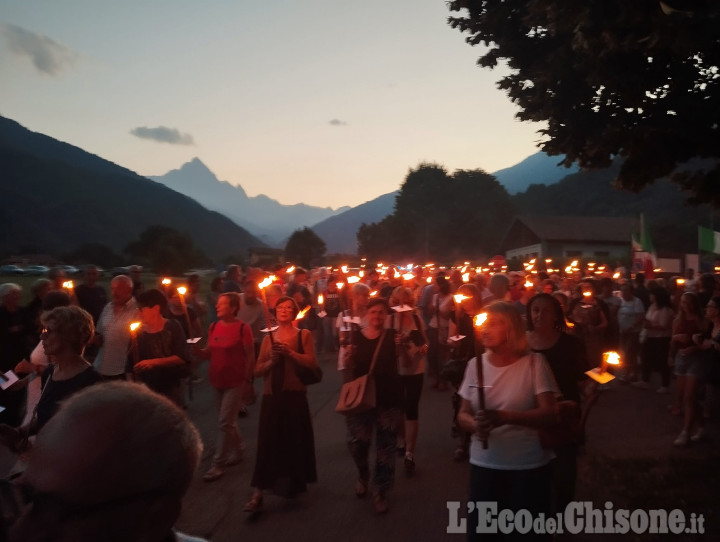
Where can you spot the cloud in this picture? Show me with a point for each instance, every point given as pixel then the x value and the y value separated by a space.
pixel 163 134
pixel 49 57
pixel 337 122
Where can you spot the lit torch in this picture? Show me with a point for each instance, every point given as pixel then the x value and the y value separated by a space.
pixel 68 285
pixel 264 284
pixel 133 337
pixel 479 321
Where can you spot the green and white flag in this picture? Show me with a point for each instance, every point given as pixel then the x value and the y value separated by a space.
pixel 709 240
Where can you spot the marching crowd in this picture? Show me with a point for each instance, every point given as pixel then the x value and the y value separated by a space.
pixel 519 389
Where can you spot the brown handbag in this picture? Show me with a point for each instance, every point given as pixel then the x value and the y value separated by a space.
pixel 358 395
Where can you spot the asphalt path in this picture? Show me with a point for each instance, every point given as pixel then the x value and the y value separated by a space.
pixel 329 510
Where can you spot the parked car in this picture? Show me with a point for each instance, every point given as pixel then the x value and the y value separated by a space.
pixel 37 270
pixel 11 270
pixel 69 269
pixel 115 271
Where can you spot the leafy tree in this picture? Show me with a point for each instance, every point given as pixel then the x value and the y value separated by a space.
pixel 95 253
pixel 166 250
pixel 634 79
pixel 440 216
pixel 305 247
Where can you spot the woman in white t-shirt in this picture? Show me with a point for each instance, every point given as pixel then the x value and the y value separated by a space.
pixel 512 468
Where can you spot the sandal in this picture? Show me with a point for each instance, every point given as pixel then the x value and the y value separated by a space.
pixel 361 488
pixel 254 505
pixel 381 505
pixel 213 474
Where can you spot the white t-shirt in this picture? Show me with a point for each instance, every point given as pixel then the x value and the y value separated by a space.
pixel 514 387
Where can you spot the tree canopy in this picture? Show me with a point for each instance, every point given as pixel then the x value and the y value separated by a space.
pixel 305 247
pixel 635 79
pixel 440 216
pixel 166 250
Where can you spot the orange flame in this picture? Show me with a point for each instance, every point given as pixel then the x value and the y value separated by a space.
pixel 166 281
pixel 353 280
pixel 459 297
pixel 68 284
pixel 480 319
pixel 373 293
pixel 301 314
pixel 290 269
pixel 267 282
pixel 321 299
pixel 339 285
pixel 134 326
pixel 408 276
pixel 611 358
pixel 466 277
pixel 182 290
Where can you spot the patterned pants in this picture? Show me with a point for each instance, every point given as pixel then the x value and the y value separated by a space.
pixel 386 422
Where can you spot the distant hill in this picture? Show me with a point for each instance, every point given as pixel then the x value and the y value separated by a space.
pixel 339 232
pixel 55 197
pixel 265 217
pixel 538 168
pixel 672 223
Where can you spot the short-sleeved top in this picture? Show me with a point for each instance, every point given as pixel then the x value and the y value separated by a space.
pixel 513 387
pixel 55 391
pixel 567 360
pixel 662 316
pixel 169 341
pixel 228 365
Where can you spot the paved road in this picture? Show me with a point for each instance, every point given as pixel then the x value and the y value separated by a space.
pixel 330 510
pixel 626 423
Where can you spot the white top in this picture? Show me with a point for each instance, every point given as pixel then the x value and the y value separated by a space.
pixel 659 317
pixel 513 387
pixel 114 326
pixel 346 327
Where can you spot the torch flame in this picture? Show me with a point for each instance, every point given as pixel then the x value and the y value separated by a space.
pixel 68 284
pixel 480 319
pixel 339 285
pixel 321 299
pixel 166 281
pixel 373 293
pixel 460 297
pixel 680 282
pixel 134 326
pixel 290 269
pixel 528 284
pixel 182 290
pixel 466 277
pixel 344 268
pixel 611 358
pixel 397 274
pixel 265 283
pixel 353 280
pixel 569 324
pixel 408 276
pixel 587 294
pixel 301 314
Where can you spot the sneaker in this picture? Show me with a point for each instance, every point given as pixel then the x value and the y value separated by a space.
pixel 682 439
pixel 698 435
pixel 409 463
pixel 663 390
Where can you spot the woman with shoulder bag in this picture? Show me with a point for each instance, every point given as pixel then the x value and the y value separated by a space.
pixel 508 464
pixel 375 348
pixel 232 357
pixel 285 459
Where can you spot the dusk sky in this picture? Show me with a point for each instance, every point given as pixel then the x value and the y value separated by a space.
pixel 325 102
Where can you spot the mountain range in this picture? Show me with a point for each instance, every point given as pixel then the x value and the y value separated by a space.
pixel 273 222
pixel 266 218
pixel 55 197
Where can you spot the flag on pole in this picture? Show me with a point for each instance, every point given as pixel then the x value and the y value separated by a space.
pixel 644 257
pixel 708 240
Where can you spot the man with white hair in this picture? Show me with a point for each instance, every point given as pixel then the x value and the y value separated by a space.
pixel 112 465
pixel 113 329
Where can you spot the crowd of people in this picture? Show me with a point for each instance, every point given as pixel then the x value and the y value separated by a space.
pixel 517 378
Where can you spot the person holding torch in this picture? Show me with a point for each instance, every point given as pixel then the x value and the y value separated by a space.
pixel 508 463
